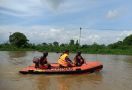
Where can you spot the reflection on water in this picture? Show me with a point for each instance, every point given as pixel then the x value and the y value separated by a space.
pixel 116 74
pixel 42 82
pixel 78 82
pixel 67 82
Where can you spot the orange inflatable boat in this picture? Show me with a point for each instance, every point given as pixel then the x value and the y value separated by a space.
pixel 89 67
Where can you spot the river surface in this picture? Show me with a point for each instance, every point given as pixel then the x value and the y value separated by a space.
pixel 116 74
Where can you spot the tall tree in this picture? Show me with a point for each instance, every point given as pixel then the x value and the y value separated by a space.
pixel 18 39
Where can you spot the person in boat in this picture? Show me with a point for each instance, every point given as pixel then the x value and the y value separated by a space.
pixel 78 59
pixel 36 62
pixel 42 62
pixel 64 60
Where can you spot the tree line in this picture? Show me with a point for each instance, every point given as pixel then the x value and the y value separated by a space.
pixel 18 41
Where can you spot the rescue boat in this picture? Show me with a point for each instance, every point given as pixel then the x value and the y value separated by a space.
pixel 88 67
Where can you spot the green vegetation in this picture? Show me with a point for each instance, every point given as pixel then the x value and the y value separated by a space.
pixel 18 39
pixel 19 42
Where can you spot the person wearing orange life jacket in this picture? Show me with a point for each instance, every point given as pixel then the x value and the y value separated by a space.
pixel 64 60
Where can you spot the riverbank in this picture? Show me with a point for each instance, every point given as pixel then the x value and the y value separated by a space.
pixel 87 51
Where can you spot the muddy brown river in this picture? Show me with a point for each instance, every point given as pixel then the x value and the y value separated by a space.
pixel 116 74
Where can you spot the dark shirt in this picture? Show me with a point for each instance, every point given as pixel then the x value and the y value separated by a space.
pixel 78 60
pixel 43 60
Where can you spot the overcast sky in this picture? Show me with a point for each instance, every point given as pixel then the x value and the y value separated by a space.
pixel 102 21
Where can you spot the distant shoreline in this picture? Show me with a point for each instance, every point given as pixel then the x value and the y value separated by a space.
pixel 123 47
pixel 100 51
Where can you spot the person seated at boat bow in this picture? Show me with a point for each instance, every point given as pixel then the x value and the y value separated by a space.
pixel 42 63
pixel 64 60
pixel 78 59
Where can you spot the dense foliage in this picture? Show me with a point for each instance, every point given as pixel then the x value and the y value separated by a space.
pixel 18 41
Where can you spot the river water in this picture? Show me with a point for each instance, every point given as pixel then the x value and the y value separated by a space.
pixel 116 74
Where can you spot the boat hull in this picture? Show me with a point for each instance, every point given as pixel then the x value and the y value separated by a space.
pixel 89 67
